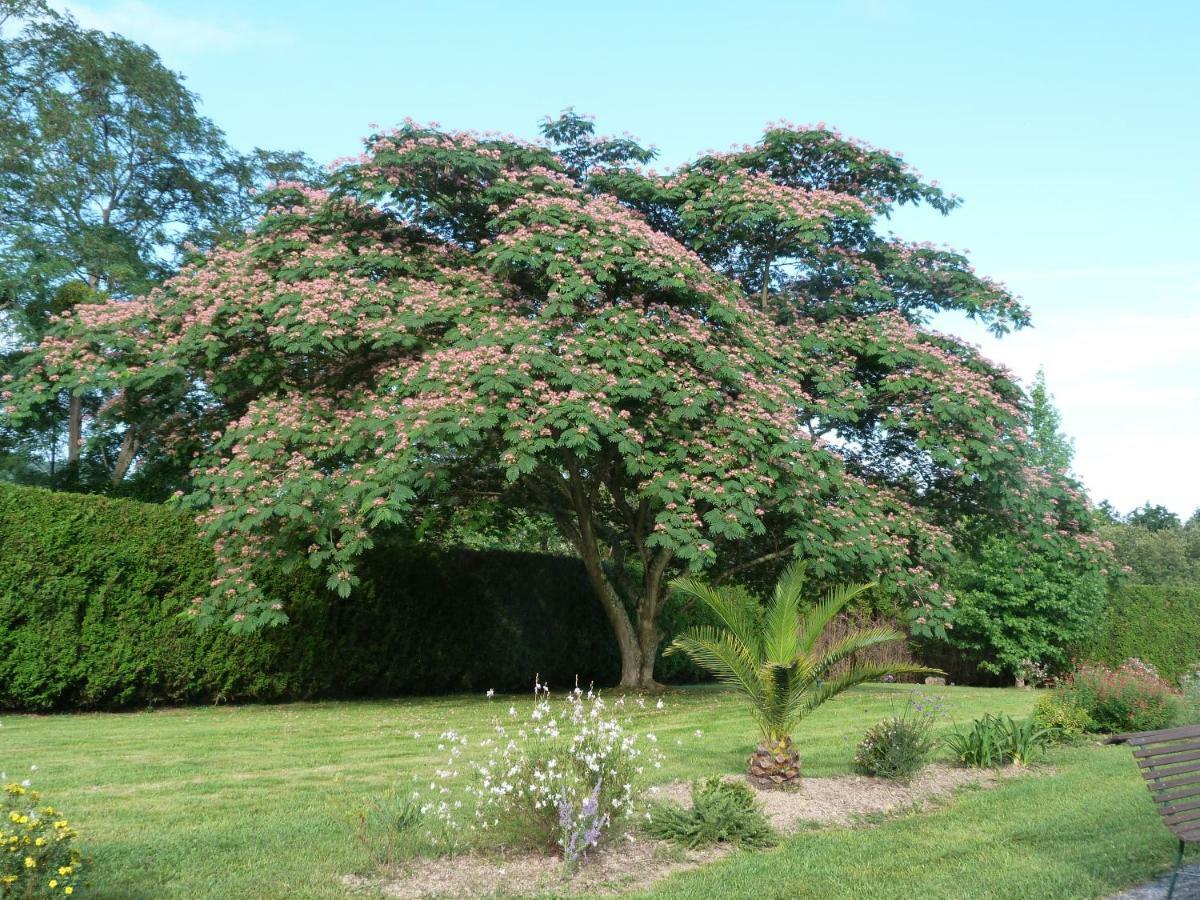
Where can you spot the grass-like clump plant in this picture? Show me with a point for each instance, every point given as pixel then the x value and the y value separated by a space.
pixel 721 812
pixel 1189 686
pixel 994 741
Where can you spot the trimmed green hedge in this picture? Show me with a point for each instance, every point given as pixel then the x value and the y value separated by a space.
pixel 90 589
pixel 1159 624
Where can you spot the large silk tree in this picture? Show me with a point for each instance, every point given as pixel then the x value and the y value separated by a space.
pixel 472 319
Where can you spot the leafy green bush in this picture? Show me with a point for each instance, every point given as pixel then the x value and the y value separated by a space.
pixel 997 741
pixel 1131 697
pixel 1155 622
pixel 1021 605
pixel 38 857
pixel 899 747
pixel 722 812
pixel 90 589
pixel 1065 723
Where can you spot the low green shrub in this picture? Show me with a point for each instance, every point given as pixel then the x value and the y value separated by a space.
pixel 1064 722
pixel 38 856
pixel 721 812
pixel 1131 697
pixel 997 741
pixel 898 748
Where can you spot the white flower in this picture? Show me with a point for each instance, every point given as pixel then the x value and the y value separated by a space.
pixel 491 693
pixel 658 705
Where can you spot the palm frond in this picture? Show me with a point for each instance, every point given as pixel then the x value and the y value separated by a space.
pixel 736 610
pixel 818 618
pixel 781 625
pixel 791 582
pixel 726 658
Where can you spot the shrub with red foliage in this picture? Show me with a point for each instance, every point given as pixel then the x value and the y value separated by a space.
pixel 1131 697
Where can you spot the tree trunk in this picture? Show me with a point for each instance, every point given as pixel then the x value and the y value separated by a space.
pixel 129 449
pixel 636 642
pixel 74 429
pixel 648 639
pixel 637 637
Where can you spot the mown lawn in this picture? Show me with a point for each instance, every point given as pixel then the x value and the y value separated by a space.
pixel 230 802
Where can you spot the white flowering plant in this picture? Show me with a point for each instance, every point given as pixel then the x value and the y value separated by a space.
pixel 565 776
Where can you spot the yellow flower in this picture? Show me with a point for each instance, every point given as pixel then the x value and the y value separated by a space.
pixel 53 882
pixel 30 862
pixel 64 870
pixel 40 842
pixel 68 890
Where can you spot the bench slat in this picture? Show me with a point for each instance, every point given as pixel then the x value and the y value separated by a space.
pixel 1142 738
pixel 1189 819
pixel 1170 809
pixel 1164 796
pixel 1173 771
pixel 1155 761
pixel 1164 749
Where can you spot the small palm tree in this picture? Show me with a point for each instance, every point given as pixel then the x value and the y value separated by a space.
pixel 771 656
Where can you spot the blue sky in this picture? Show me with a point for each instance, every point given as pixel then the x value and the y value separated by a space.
pixel 1072 129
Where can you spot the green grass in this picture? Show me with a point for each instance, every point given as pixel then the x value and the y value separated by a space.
pixel 230 802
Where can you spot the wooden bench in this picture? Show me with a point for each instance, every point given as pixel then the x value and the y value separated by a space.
pixel 1170 763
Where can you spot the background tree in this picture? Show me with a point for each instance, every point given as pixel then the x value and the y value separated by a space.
pixel 107 172
pixel 1107 513
pixel 1153 517
pixel 474 320
pixel 1050 448
pixel 1162 555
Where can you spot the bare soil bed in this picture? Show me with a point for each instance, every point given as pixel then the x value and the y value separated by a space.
pixel 628 865
pixel 635 862
pixel 851 799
